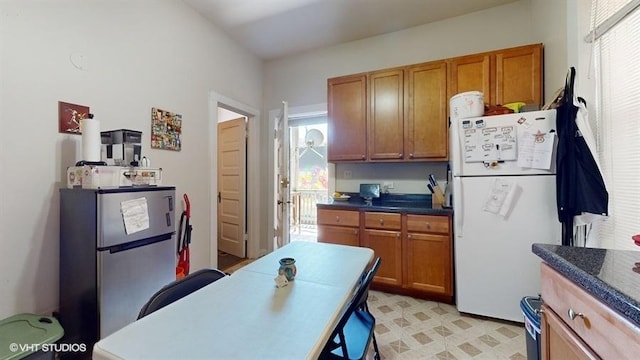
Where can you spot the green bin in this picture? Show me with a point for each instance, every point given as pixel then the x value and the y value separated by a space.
pixel 29 336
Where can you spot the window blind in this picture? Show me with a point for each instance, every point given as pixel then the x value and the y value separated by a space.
pixel 606 14
pixel 617 68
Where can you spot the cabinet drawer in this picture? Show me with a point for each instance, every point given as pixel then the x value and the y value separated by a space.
pixel 428 223
pixel 609 334
pixel 558 341
pixel 381 220
pixel 338 217
pixel 344 235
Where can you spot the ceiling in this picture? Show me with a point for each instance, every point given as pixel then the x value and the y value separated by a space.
pixel 276 28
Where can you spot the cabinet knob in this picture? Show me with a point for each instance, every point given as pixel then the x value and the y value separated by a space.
pixel 362 157
pixel 409 236
pixel 411 155
pixel 397 235
pixel 400 156
pixel 337 218
pixel 572 314
pixel 355 232
pixel 427 225
pixel 381 222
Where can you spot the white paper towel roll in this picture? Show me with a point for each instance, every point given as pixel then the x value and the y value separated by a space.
pixel 91 145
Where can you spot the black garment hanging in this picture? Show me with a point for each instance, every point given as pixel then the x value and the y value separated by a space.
pixel 579 184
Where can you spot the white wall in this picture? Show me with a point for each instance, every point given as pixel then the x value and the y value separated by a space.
pixel 140 54
pixel 549 26
pixel 302 79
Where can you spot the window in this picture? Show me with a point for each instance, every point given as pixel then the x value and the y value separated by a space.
pixel 617 69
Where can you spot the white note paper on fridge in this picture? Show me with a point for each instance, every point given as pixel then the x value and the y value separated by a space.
pixel 501 197
pixel 135 214
pixel 535 150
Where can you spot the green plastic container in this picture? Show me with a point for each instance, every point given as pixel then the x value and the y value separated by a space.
pixel 23 336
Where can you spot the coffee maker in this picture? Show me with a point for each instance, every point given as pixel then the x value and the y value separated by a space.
pixel 121 147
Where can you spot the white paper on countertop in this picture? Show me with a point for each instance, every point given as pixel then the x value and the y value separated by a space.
pixel 135 214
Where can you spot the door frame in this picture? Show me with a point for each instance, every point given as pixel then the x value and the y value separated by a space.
pixel 254 199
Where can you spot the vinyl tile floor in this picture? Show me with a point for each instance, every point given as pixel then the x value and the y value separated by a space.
pixel 410 328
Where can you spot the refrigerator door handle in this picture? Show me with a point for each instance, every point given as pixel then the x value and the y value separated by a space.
pixel 458 218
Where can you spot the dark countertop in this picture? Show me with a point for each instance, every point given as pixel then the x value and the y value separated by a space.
pixel 611 276
pixel 398 203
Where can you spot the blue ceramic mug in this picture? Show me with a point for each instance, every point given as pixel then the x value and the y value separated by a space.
pixel 288 268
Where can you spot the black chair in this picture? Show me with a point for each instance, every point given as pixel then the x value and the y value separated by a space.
pixel 179 289
pixel 355 330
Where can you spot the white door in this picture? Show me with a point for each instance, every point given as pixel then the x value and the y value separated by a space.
pixel 282 179
pixel 232 170
pixel 495 267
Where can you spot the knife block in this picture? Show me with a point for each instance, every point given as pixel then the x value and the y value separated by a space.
pixel 437 198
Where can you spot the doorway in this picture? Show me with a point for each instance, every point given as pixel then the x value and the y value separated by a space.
pixel 309 174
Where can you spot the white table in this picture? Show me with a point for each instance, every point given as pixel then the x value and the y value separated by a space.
pixel 317 262
pixel 244 316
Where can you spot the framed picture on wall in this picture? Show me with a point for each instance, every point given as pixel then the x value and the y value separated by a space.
pixel 166 130
pixel 69 116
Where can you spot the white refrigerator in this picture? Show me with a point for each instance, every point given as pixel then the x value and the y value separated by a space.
pixel 504 200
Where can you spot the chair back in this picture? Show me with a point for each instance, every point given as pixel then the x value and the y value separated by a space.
pixel 360 298
pixel 179 289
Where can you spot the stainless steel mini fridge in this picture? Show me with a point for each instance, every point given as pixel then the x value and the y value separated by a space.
pixel 117 248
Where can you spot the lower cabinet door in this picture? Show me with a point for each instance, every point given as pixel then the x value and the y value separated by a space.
pixel 429 263
pixel 387 245
pixel 559 342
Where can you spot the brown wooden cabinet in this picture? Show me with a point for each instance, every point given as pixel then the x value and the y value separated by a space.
pixel 383 234
pixel 385 136
pixel 339 227
pixel 503 76
pixel 519 75
pixel 560 342
pixel 470 73
pixel 576 325
pixel 416 250
pixel 426 127
pixel 428 259
pixel 347 111
pixel 401 114
pixel 405 120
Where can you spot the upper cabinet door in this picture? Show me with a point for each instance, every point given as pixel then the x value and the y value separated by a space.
pixel 471 73
pixel 347 125
pixel 386 116
pixel 519 75
pixel 426 122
